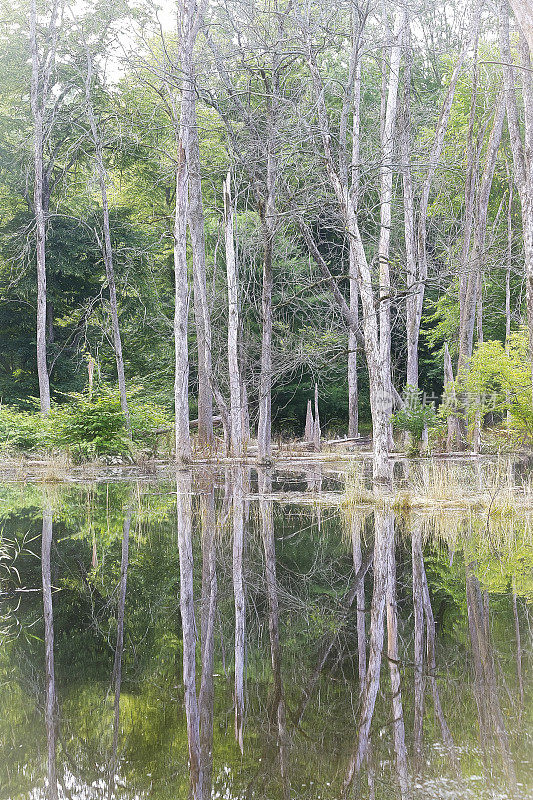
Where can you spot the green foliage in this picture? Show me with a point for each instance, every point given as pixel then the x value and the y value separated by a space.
pixel 498 380
pixel 414 416
pixel 22 431
pixel 92 425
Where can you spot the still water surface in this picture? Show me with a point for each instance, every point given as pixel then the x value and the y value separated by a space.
pixel 233 636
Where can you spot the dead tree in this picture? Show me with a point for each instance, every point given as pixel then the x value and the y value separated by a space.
pixel 235 378
pixel 522 164
pixel 42 67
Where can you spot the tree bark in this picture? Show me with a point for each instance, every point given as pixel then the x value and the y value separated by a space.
pixel 201 303
pixel 39 94
pixel 233 325
pixel 524 15
pixel 521 151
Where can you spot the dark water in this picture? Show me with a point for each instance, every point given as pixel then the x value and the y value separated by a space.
pixel 364 653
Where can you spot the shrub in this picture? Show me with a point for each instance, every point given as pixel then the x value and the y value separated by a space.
pixel 23 431
pixel 91 426
pixel 414 416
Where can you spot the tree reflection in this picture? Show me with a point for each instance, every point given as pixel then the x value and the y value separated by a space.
pixel 119 647
pixel 278 700
pixel 50 691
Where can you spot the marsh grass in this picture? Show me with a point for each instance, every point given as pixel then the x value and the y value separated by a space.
pixel 484 486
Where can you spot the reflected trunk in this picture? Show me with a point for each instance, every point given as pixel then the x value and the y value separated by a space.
pixel 489 708
pixel 278 702
pixel 238 593
pixel 50 691
pixel 400 750
pixel 419 682
pixel 208 610
pixel 184 518
pixel 119 648
pixel 384 538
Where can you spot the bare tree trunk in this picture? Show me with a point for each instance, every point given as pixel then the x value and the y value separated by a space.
pixel 413 290
pixel 316 424
pixel 107 248
pixel 309 423
pixel 240 608
pixel 39 95
pixel 524 15
pixel 454 430
pixel 201 304
pixel 233 325
pixel 264 430
pixel 50 701
pixel 184 518
pixel 181 312
pixel 471 296
pixel 522 163
pixel 353 388
pixel 387 146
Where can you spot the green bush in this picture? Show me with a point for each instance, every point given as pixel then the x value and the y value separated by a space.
pixel 91 426
pixel 88 426
pixel 414 416
pixel 23 431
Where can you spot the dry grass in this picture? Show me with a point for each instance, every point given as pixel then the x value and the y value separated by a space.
pixel 483 486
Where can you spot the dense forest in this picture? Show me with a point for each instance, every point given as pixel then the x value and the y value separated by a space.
pixel 260 216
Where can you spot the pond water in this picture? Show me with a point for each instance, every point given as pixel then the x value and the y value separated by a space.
pixel 243 635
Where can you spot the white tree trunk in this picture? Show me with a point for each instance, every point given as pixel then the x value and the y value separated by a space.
pixel 524 14
pixel 39 92
pixel 521 151
pixel 201 304
pixel 233 325
pixel 181 311
pixel 387 144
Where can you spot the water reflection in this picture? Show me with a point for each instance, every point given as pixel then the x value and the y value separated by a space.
pixel 49 673
pixel 259 650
